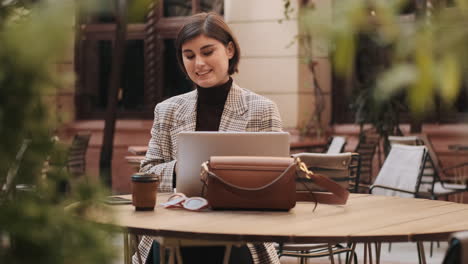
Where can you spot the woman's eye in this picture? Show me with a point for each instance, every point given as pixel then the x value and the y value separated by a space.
pixel 190 57
pixel 207 53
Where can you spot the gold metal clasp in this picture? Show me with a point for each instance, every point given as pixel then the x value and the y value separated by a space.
pixel 204 171
pixel 303 167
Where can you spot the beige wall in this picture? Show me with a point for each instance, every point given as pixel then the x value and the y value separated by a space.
pixel 271 63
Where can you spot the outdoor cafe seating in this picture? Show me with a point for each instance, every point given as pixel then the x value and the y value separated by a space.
pixel 437 181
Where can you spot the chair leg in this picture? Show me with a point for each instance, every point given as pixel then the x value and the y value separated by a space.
pixel 330 251
pixel 227 254
pixel 179 255
pixel 302 260
pixel 353 254
pixel 172 255
pixel 378 246
pixel 421 255
pixel 350 254
pixel 126 249
pixel 162 254
pixel 370 252
pixel 365 253
pixel 431 249
pixel 279 251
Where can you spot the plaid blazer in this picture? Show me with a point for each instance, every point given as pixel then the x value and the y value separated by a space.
pixel 243 111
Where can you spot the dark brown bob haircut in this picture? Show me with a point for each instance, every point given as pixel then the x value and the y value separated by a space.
pixel 211 25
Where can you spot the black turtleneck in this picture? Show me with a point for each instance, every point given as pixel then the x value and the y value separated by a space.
pixel 210 106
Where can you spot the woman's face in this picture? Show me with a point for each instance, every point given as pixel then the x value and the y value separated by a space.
pixel 206 60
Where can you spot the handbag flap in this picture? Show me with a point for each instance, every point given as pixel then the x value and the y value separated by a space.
pixel 250 163
pixel 251 172
pixel 329 161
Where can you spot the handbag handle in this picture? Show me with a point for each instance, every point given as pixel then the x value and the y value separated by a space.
pixel 337 195
pixel 206 172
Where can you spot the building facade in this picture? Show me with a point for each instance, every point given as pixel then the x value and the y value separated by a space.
pixel 271 64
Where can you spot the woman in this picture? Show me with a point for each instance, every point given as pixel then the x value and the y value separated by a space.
pixel 208 53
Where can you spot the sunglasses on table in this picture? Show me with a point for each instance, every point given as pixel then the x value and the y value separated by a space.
pixel 179 200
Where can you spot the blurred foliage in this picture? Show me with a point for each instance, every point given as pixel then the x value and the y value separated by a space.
pixel 35 227
pixel 138 9
pixel 105 10
pixel 422 52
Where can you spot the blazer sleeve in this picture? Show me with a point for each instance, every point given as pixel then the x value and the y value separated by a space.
pixel 158 159
pixel 271 121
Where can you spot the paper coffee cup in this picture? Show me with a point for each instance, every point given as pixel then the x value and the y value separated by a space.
pixel 144 191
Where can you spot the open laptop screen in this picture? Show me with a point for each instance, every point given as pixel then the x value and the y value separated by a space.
pixel 194 148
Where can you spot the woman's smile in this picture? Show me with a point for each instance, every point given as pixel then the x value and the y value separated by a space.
pixel 203 73
pixel 206 60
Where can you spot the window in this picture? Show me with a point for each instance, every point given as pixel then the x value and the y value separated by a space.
pixel 150 71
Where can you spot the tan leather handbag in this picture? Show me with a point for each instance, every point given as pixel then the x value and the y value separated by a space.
pixel 262 183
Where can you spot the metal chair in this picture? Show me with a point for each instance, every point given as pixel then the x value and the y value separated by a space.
pixel 401 172
pixel 76 163
pixel 446 181
pixel 401 175
pixel 437 181
pixel 342 168
pixel 405 140
pixel 9 185
pixel 368 144
pixel 337 145
pixel 428 173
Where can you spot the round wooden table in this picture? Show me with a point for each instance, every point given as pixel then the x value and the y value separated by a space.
pixel 365 218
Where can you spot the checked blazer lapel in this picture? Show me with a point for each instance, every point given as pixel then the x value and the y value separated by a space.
pixel 234 117
pixel 185 117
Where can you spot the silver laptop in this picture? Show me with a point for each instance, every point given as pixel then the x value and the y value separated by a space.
pixel 194 148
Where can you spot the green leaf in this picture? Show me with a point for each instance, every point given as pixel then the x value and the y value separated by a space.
pixel 138 9
pixel 449 79
pixel 395 80
pixel 344 53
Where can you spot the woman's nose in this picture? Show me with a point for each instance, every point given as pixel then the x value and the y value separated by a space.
pixel 199 61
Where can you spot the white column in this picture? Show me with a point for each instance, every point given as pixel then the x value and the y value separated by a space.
pixel 270 62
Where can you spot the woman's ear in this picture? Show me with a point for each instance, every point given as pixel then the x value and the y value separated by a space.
pixel 230 50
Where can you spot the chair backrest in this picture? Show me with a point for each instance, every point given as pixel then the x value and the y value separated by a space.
pixel 432 168
pixel 77 154
pixel 339 167
pixel 401 170
pixel 368 144
pixel 405 140
pixel 337 145
pixel 433 158
pixel 7 186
